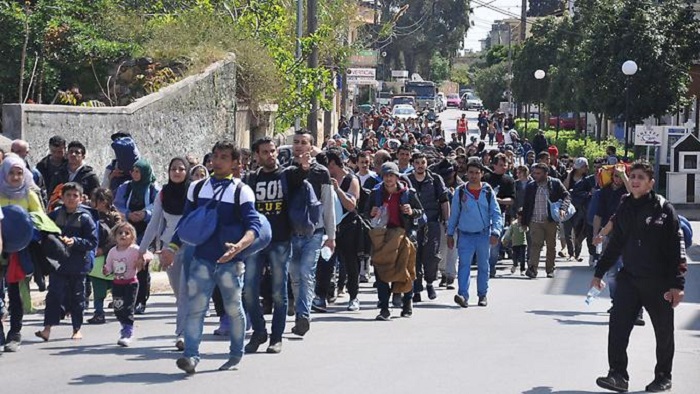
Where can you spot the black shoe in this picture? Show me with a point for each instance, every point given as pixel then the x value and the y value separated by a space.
pixel 614 382
pixel 461 301
pixel 417 297
pixel 450 283
pixel 97 319
pixel 443 282
pixel 384 315
pixel 661 383
pixel 302 326
pixel 640 322
pixel 431 292
pixel 140 309
pixel 396 300
pixel 255 341
pixel 230 364
pixel 483 301
pixel 550 275
pixel 187 364
pixel 530 274
pixel 407 310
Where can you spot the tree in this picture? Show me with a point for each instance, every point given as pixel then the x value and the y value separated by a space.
pixel 491 85
pixel 544 7
pixel 461 75
pixel 439 68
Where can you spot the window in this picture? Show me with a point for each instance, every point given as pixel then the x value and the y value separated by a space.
pixel 689 162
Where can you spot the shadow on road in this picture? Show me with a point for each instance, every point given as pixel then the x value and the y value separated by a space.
pixel 130 378
pixel 550 390
pixel 560 317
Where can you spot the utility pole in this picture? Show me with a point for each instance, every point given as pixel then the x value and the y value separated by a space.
pixel 523 21
pixel 312 26
pixel 300 32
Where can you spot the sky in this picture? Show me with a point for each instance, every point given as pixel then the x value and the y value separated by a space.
pixel 484 17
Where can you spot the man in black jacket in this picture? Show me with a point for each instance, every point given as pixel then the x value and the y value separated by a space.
pixel 539 193
pixel 54 163
pixel 646 232
pixel 77 171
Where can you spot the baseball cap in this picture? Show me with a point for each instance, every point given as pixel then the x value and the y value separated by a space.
pixel 580 163
pixel 390 168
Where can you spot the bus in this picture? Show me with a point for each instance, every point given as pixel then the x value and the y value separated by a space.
pixel 425 92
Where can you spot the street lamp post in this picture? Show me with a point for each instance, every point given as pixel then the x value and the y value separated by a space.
pixel 539 75
pixel 629 68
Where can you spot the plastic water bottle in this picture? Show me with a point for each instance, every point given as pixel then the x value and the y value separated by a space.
pixel 326 251
pixel 599 247
pixel 592 294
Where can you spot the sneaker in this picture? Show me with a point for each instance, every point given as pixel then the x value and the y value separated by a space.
pixel 578 258
pixel 550 275
pixel 140 309
pixel 332 298
pixel 97 319
pixel 443 281
pixel 561 254
pixel 354 305
pixel 319 305
pixel 483 301
pixel 384 315
pixel 522 272
pixel 187 364
pixel 614 382
pixel 275 348
pixel 124 342
pixel 407 310
pixel 431 292
pixel 417 297
pixel 450 283
pixel 513 269
pixel 396 300
pixel 228 365
pixel 461 301
pixel 661 383
pixel 255 341
pixel 302 326
pixel 180 344
pixel 12 346
pixel 224 326
pixel 530 274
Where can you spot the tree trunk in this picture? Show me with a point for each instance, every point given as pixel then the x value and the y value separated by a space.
pixel 23 56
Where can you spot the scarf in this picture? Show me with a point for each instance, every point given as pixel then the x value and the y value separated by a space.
pixel 15 193
pixel 175 194
pixel 138 189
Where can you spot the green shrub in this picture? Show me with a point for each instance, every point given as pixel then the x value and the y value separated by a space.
pixel 531 125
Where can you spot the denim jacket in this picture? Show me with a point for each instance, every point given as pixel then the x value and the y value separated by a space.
pixel 469 215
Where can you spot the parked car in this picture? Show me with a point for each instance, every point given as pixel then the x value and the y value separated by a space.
pixel 403 111
pixel 470 101
pixel 453 100
pixel 567 120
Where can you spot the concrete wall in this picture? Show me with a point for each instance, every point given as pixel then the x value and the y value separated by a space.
pixel 186 117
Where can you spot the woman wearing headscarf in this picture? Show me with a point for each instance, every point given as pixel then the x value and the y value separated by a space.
pixel 16 188
pixel 135 200
pixel 168 208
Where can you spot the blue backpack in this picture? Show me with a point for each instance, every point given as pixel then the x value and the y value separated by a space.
pixel 199 225
pixel 687 231
pixel 303 208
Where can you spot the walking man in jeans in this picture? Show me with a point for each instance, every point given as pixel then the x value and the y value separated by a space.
pixel 539 193
pixel 215 262
pixel 271 202
pixel 306 249
pixel 477 217
pixel 646 233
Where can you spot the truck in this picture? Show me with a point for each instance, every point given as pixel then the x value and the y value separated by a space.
pixel 425 92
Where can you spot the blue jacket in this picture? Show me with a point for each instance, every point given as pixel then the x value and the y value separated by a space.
pixel 470 215
pixel 82 228
pixel 233 221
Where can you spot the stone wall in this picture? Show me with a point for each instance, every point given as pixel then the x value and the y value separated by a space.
pixel 186 117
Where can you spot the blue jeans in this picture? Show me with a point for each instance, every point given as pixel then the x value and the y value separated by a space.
pixel 277 255
pixel 302 270
pixel 493 257
pixel 203 276
pixel 467 246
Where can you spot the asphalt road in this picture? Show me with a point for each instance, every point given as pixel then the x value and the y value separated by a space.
pixel 535 337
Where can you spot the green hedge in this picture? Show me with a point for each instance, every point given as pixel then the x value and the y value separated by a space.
pixel 531 125
pixel 581 146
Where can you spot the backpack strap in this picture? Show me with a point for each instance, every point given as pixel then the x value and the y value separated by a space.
pixel 195 192
pixel 347 181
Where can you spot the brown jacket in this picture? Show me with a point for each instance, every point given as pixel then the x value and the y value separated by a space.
pixel 394 258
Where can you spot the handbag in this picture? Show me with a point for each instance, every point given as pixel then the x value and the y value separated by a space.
pixel 555 208
pixel 197 227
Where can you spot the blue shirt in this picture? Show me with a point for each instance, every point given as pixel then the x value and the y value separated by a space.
pixel 470 215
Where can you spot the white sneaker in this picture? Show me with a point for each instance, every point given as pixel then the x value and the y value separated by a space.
pixel 124 342
pixel 354 305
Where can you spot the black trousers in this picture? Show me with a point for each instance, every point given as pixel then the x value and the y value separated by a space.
pixel 630 296
pixel 62 286
pixel 125 302
pixel 144 277
pixel 325 273
pixel 462 137
pixel 427 255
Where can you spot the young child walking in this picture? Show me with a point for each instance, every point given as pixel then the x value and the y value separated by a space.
pixel 124 261
pixel 516 236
